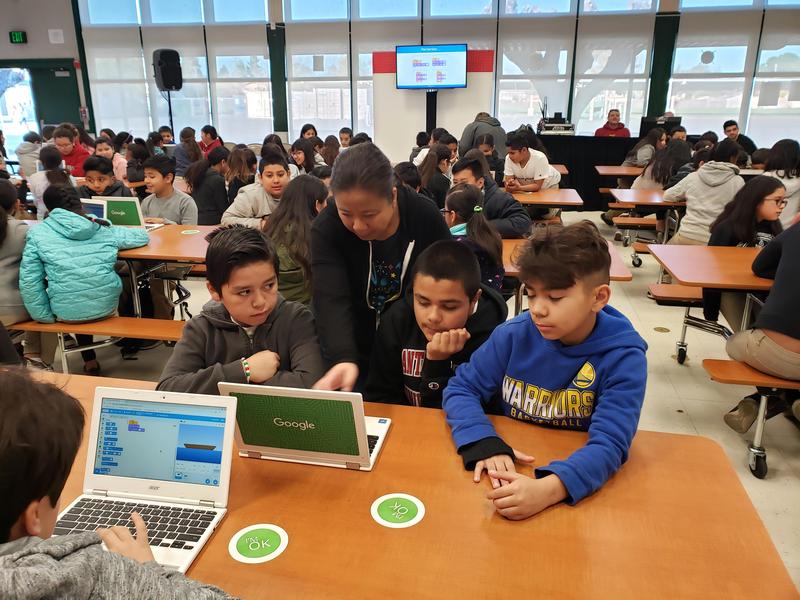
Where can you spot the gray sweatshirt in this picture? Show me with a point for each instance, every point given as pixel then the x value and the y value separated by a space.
pixel 212 347
pixel 77 567
pixel 178 208
pixel 11 304
pixel 251 204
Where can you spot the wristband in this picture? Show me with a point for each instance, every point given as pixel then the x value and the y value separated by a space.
pixel 246 369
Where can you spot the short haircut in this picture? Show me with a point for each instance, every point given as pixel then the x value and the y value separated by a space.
pixel 322 172
pixel 47 132
pixel 437 133
pixel 711 136
pixel 679 128
pixel 616 110
pixel 408 174
pixel 103 140
pixel 451 260
pixel 423 139
pixel 101 164
pixel 32 138
pixel 360 138
pixel 161 163
pixel 271 157
pixel 517 140
pixel 346 130
pixel 729 123
pixel 760 156
pixel 8 196
pixel 217 155
pixel 448 139
pixel 165 128
pixel 726 150
pixel 40 432
pixel 702 156
pixel 559 257
pixel 363 167
pixel 468 164
pixel 64 132
pixel 235 246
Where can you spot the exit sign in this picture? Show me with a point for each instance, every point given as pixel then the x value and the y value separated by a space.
pixel 18 37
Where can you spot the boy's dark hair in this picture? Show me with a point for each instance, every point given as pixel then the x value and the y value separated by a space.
pixel 47 132
pixel 679 128
pixel 217 155
pixel 469 164
pixel 32 138
pixel 360 138
pixel 517 140
pixel 164 128
pixel 486 138
pixel 760 156
pixel 711 136
pixel 235 246
pixel 346 130
pixel 559 257
pixel 64 132
pixel 363 166
pixel 423 139
pixel 448 139
pixel 161 163
pixel 408 174
pixel 729 123
pixel 272 156
pixel 451 260
pixel 98 163
pixel 702 156
pixel 703 144
pixel 437 133
pixel 40 432
pixel 727 150
pixel 322 172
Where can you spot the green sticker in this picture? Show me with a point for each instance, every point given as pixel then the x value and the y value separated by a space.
pixel 258 543
pixel 397 510
pixel 190 231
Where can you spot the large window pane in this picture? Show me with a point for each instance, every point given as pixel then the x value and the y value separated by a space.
pixel 519 100
pixel 326 104
pixel 189 105
pixel 239 11
pixel 460 8
pixel 319 65
pixel 705 104
pixel 364 107
pixel 717 59
pixel 315 10
pixel 387 9
pixel 175 11
pixel 122 107
pixel 715 3
pixel 109 12
pixel 616 5
pixel 595 97
pixel 532 7
pixel 242 67
pixel 244 111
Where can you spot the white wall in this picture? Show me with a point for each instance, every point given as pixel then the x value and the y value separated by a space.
pixel 35 17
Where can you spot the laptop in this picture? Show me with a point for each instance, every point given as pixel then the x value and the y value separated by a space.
pixel 95 207
pixel 166 456
pixel 126 211
pixel 306 426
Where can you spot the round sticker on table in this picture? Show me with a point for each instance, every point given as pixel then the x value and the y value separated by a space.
pixel 190 231
pixel 398 510
pixel 258 543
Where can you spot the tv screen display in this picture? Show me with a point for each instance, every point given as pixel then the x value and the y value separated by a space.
pixel 432 67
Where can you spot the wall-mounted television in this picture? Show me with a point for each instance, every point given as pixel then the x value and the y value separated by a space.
pixel 432 67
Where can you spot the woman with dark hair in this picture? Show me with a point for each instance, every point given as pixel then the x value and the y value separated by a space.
pixel 209 139
pixel 206 181
pixel 464 215
pixel 308 131
pixel 289 228
pixel 640 155
pixel 664 164
pixel 303 155
pixel 363 249
pixel 750 219
pixel 187 151
pixel 784 164
pixel 242 167
pixel 330 150
pixel 433 173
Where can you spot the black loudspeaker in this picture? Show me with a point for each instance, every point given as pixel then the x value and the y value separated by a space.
pixel 167 67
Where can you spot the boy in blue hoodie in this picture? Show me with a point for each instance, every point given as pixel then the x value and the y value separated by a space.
pixel 573 362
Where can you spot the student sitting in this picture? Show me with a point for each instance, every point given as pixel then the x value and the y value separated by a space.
pixel 706 193
pixel 433 173
pixel 678 133
pixel 435 138
pixel 165 204
pixel 422 141
pixel 165 131
pixel 759 158
pixel 28 153
pixel 12 243
pixel 750 219
pixel 100 180
pixel 699 158
pixel 72 152
pixel 242 167
pixel 67 270
pixel 187 152
pixel 318 146
pixel 452 143
pixel 103 146
pixel 206 179
pixel 289 228
pixel 257 201
pixel 485 143
pixel 444 317
pixel 53 174
pixel 613 126
pixel 664 164
pixel 345 135
pixel 323 173
pixel 773 345
pixel 573 362
pixel 248 333
pixel 40 440
pixel 303 156
pixel 731 129
pixel 209 139
pixel 330 150
pixel 308 131
pixel 137 154
pixel 464 214
pixel 784 164
pixel 526 169
pixel 505 214
pixel 409 175
pixel 154 144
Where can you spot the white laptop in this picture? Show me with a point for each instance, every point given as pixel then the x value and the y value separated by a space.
pixel 96 207
pixel 306 426
pixel 124 211
pixel 166 456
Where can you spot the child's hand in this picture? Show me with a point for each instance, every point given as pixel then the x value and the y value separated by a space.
pixel 512 184
pixel 446 343
pixel 153 220
pixel 500 463
pixel 263 365
pixel 120 540
pixel 341 376
pixel 521 496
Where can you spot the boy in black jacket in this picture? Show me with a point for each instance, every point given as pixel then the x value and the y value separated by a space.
pixel 444 317
pixel 100 180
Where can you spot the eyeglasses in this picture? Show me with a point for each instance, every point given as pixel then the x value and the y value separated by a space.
pixel 780 202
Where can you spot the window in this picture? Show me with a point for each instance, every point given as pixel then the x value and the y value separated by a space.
pixel 164 12
pixel 710 4
pixel 239 11
pixel 109 12
pixel 315 10
pixel 460 8
pixel 532 7
pixel 386 9
pixel 617 5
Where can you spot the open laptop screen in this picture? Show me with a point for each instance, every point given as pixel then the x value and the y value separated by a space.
pixel 160 440
pixel 308 424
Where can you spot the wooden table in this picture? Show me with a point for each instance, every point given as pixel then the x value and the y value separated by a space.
pixel 619 272
pixel 169 243
pixel 654 198
pixel 618 171
pixel 651 531
pixel 553 198
pixel 562 169
pixel 720 267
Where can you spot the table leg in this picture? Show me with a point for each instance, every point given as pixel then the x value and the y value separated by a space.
pixel 137 301
pixel 63 349
pixel 748 306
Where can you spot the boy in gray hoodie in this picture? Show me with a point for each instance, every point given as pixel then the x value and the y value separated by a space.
pixel 248 333
pixel 257 201
pixel 38 444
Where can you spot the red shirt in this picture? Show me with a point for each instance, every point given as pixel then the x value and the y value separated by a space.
pixel 206 149
pixel 75 159
pixel 608 131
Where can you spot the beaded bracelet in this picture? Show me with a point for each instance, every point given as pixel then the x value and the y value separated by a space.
pixel 246 369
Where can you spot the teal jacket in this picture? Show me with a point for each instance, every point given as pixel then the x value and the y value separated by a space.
pixel 67 270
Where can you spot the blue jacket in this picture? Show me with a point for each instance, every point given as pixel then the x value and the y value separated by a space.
pixel 76 257
pixel 596 386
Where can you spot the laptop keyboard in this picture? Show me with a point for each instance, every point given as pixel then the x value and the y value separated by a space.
pixel 372 441
pixel 167 526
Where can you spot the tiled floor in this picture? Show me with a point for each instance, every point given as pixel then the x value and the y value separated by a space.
pixel 680 399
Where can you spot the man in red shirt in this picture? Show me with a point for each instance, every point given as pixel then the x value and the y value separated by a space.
pixel 72 152
pixel 613 128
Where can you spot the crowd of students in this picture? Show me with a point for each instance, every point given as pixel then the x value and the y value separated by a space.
pixel 386 280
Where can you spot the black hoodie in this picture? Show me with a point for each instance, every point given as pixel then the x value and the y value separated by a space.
pixel 211 198
pixel 508 216
pixel 341 267
pixel 116 189
pixel 399 373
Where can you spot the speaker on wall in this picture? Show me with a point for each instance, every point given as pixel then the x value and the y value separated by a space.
pixel 167 67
